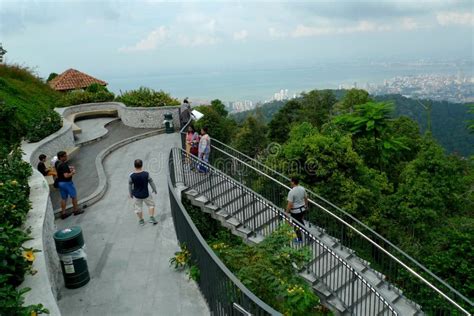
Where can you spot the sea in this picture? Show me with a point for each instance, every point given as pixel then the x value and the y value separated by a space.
pixel 261 83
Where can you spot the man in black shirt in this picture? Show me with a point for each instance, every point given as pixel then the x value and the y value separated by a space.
pixel 138 189
pixel 66 186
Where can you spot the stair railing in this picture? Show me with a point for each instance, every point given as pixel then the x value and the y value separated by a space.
pixel 221 190
pixel 436 296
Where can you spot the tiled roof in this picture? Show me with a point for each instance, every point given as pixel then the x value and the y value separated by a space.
pixel 72 79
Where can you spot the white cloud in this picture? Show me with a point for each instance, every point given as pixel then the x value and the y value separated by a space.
pixel 276 34
pixel 409 24
pixel 241 35
pixel 459 18
pixel 197 40
pixel 363 26
pixel 151 42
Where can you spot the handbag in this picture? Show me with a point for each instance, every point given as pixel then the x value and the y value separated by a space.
pixel 56 183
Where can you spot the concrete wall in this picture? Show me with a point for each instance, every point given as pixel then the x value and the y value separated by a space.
pixel 61 140
pixel 148 117
pixel 46 282
pixel 131 116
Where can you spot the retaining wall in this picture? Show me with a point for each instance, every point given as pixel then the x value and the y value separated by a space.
pixel 131 116
pixel 45 284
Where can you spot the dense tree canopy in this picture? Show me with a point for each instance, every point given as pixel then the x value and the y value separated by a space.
pixel 378 167
pixel 251 138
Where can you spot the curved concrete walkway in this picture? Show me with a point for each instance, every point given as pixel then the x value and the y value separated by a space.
pixel 92 128
pixel 129 264
pixel 86 179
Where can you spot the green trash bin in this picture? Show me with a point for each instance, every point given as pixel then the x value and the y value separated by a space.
pixel 70 247
pixel 168 122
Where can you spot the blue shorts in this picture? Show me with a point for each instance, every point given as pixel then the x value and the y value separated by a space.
pixel 67 189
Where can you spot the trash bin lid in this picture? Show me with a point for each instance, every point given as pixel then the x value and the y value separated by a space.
pixel 168 116
pixel 67 233
pixel 68 239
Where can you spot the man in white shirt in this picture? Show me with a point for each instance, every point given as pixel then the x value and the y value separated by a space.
pixel 297 205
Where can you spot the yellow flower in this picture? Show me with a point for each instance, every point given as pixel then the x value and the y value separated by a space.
pixel 14 182
pixel 29 255
pixel 13 206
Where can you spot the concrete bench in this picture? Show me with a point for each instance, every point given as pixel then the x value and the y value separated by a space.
pixel 95 113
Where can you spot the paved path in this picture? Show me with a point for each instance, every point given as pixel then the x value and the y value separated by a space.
pixel 86 180
pixel 92 128
pixel 129 264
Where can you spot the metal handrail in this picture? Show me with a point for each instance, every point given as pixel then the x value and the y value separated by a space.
pixel 378 246
pixel 311 193
pixel 210 252
pixel 293 223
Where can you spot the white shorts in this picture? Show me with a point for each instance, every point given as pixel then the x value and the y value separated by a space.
pixel 138 203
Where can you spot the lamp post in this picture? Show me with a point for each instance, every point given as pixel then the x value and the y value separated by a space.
pixel 2 52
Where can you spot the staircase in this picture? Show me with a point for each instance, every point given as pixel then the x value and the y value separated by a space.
pixel 344 282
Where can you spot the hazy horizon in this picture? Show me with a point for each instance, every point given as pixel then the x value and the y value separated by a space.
pixel 128 43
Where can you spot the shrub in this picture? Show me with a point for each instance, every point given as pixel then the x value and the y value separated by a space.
pixel 15 260
pixel 146 97
pixel 12 301
pixel 95 87
pixel 265 269
pixel 80 97
pixel 43 125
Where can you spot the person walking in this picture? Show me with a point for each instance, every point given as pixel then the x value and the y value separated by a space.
pixel 65 184
pixel 138 190
pixel 204 148
pixel 185 111
pixel 297 205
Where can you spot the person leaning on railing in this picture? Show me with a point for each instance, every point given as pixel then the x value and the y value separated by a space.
pixel 297 205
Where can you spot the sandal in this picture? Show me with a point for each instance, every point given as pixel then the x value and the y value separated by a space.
pixel 65 215
pixel 78 212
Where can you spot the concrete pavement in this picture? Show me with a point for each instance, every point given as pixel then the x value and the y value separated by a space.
pixel 92 128
pixel 86 180
pixel 129 264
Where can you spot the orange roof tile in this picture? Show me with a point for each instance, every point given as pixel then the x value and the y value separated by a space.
pixel 72 79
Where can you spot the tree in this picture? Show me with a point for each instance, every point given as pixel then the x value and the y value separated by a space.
pixel 251 138
pixel 220 128
pixel 51 76
pixel 280 125
pixel 470 125
pixel 369 124
pixel 352 98
pixel 432 187
pixel 11 129
pixel 316 107
pixel 326 162
pixel 219 107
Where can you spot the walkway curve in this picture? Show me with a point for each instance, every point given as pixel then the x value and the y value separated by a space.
pixel 129 264
pixel 102 186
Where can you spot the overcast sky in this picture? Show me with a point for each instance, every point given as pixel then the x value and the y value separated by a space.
pixel 121 38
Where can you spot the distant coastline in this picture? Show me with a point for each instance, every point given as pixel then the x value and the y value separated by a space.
pixel 258 85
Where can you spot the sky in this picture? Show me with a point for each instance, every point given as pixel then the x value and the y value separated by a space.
pixel 116 39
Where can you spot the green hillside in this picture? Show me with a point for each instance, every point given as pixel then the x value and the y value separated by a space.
pixel 448 120
pixel 26 105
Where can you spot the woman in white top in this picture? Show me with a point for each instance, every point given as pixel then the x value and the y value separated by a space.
pixel 204 148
